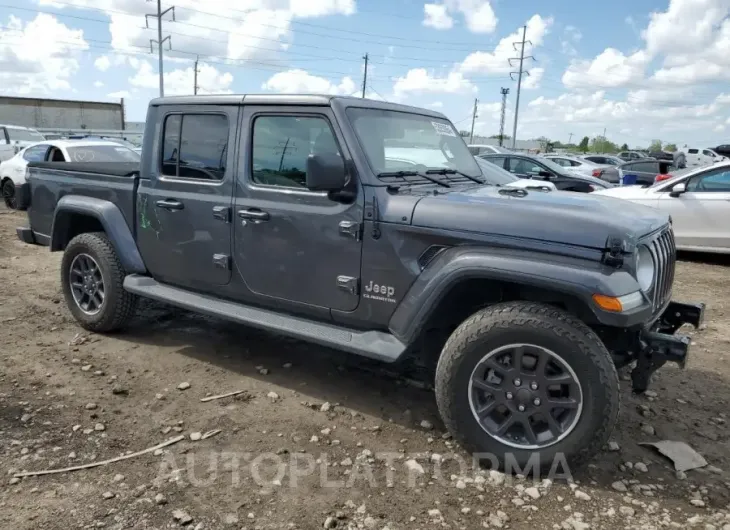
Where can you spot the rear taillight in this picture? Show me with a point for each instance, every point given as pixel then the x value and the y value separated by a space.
pixel 597 172
pixel 659 178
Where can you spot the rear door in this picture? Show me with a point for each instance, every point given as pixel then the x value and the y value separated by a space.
pixel 292 244
pixel 7 151
pixel 700 215
pixel 184 207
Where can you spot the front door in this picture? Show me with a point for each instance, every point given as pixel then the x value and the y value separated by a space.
pixel 700 215
pixel 184 207
pixel 293 244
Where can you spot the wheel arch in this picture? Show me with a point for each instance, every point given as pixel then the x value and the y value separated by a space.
pixel 76 215
pixel 460 281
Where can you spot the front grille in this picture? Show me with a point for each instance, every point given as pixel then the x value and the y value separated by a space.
pixel 664 253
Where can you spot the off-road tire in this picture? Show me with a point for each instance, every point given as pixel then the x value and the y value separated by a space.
pixel 542 325
pixel 119 305
pixel 9 194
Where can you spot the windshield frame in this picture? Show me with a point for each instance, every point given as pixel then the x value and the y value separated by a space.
pixel 466 164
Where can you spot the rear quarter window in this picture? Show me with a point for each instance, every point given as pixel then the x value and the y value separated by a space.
pixel 693 151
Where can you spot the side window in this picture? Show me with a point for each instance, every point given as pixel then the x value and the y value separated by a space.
pixel 628 167
pixel 474 150
pixel 496 160
pixel 523 167
pixel 561 161
pixel 195 146
pixel 693 151
pixel 282 144
pixel 37 153
pixel 706 152
pixel 647 167
pixel 3 138
pixel 713 181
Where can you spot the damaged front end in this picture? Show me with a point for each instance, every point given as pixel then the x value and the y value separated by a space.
pixel 659 343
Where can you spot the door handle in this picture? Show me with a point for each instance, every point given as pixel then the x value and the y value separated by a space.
pixel 254 214
pixel 170 204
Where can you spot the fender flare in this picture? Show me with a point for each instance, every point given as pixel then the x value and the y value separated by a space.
pixel 571 277
pixel 111 219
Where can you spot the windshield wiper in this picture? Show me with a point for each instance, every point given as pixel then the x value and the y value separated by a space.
pixel 414 174
pixel 449 171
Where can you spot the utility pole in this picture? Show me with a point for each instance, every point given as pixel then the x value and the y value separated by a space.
pixel 473 119
pixel 160 41
pixel 504 91
pixel 195 76
pixel 570 138
pixel 365 75
pixel 519 77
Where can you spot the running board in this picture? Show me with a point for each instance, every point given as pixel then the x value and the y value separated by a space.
pixel 373 344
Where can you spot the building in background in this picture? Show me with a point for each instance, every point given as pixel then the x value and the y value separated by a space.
pixel 525 146
pixel 39 113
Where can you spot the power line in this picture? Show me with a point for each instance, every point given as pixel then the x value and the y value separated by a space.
pixel 160 41
pixel 519 78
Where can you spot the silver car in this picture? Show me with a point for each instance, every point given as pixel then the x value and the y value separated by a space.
pixel 579 166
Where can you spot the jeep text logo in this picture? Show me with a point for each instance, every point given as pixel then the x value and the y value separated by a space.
pixel 384 293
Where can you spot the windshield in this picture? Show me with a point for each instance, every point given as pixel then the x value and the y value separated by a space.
pixel 25 135
pixel 401 141
pixel 102 153
pixel 495 174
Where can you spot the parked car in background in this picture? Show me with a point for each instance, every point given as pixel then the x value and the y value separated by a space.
pixel 577 165
pixel 723 150
pixel 639 172
pixel 12 172
pixel 696 157
pixel 540 168
pixel 630 155
pixel 483 149
pixel 697 200
pixel 13 139
pixel 604 160
pixel 498 176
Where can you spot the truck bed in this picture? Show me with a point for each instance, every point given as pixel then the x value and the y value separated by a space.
pixel 50 181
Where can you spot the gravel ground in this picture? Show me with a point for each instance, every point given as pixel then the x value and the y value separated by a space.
pixel 316 439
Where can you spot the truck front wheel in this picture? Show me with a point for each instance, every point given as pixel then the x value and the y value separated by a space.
pixel 527 383
pixel 92 278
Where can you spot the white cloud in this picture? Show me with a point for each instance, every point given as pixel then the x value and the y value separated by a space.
pixel 299 81
pixel 98 84
pixel 610 69
pixel 478 15
pixel 119 94
pixel 571 37
pixel 497 61
pixel 102 63
pixel 437 16
pixel 319 8
pixel 436 105
pixel 420 81
pixel 38 56
pixel 181 81
pixel 532 81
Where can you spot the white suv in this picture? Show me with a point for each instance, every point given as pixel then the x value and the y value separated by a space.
pixel 14 138
pixel 700 157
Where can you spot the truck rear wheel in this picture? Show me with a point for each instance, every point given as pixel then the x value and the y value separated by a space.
pixel 92 278
pixel 8 191
pixel 527 383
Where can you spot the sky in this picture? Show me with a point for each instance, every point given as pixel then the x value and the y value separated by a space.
pixel 640 69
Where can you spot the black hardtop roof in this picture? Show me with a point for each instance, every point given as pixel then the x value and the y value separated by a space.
pixel 291 99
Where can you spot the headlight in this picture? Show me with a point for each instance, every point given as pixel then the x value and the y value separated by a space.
pixel 644 268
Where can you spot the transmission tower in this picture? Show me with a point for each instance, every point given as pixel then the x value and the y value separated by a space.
pixel 504 91
pixel 519 74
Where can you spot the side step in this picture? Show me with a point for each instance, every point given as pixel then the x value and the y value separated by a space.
pixel 373 344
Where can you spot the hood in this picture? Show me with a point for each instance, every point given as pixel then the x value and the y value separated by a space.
pixel 626 192
pixel 582 219
pixel 530 183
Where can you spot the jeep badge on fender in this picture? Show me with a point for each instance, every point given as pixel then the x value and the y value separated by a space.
pixel 384 293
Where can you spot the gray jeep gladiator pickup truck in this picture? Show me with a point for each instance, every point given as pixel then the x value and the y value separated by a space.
pixel 365 226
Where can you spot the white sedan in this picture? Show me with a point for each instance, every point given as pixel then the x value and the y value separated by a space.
pixel 12 172
pixel 698 200
pixel 579 166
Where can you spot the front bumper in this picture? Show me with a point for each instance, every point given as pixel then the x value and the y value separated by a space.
pixel 660 343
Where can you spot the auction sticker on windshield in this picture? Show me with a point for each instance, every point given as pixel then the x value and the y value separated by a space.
pixel 443 129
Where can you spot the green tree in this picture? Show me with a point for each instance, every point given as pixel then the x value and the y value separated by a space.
pixel 505 137
pixel 670 147
pixel 583 146
pixel 656 145
pixel 465 134
pixel 624 147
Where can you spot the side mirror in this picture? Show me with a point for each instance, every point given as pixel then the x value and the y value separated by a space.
pixel 544 174
pixel 326 172
pixel 678 189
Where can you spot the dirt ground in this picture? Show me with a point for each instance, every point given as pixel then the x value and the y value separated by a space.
pixel 317 439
